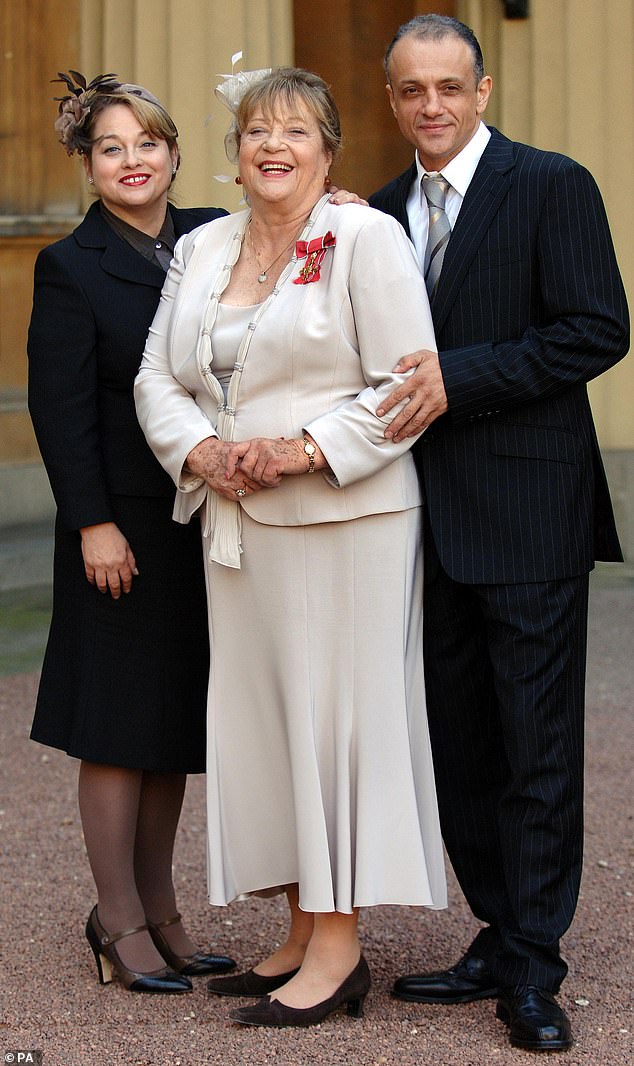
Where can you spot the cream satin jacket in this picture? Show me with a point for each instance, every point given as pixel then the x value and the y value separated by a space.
pixel 317 357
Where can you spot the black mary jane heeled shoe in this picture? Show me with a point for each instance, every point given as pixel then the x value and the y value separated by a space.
pixel 195 965
pixel 165 980
pixel 271 1012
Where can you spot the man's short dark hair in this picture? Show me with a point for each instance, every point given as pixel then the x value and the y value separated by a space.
pixel 435 28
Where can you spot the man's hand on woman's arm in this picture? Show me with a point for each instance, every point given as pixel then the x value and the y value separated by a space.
pixel 424 391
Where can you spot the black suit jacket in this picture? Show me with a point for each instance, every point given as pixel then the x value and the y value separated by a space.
pixel 94 300
pixel 529 307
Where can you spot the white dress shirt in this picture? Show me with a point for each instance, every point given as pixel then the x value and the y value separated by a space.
pixel 458 172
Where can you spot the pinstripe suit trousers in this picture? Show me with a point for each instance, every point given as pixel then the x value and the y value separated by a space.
pixel 505 675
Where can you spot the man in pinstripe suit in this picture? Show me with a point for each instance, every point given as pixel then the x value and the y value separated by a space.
pixel 528 307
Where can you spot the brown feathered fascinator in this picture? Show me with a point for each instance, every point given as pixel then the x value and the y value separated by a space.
pixel 75 107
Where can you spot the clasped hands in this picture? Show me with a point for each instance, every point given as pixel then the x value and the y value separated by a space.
pixel 244 467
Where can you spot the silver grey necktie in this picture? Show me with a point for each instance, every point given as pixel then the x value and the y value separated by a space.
pixel 435 188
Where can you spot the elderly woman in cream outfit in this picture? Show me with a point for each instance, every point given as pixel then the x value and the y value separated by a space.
pixel 268 357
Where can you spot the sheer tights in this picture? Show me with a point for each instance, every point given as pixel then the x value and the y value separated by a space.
pixel 129 819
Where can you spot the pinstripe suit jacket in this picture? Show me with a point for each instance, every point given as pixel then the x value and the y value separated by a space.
pixel 529 308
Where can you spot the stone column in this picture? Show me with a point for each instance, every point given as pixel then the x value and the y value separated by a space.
pixel 178 49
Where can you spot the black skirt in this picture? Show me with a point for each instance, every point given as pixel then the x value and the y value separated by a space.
pixel 124 682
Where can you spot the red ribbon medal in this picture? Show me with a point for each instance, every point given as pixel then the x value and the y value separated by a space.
pixel 313 252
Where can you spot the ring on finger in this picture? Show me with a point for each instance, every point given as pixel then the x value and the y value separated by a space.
pixel 241 492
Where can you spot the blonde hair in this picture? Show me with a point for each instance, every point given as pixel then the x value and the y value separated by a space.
pixel 81 107
pixel 288 84
pixel 152 117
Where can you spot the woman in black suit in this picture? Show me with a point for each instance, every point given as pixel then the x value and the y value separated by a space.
pixel 124 679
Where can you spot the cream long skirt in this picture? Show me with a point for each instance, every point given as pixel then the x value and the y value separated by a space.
pixel 319 766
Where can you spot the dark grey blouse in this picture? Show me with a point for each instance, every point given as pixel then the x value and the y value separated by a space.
pixel 158 249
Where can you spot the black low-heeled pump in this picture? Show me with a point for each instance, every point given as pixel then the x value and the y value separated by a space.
pixel 165 980
pixel 271 1012
pixel 248 984
pixel 195 965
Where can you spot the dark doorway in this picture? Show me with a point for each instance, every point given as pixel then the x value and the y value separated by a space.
pixel 344 42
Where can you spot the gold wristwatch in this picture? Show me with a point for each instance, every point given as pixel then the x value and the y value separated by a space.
pixel 309 449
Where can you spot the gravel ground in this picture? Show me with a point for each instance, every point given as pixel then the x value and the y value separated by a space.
pixel 52 1000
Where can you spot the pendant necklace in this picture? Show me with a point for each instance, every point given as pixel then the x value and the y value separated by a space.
pixel 263 276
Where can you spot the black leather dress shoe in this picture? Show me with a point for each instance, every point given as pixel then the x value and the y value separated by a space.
pixel 535 1019
pixel 469 979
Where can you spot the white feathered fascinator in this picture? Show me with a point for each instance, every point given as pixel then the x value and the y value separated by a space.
pixel 230 92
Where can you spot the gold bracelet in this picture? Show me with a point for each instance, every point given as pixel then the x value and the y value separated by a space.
pixel 309 449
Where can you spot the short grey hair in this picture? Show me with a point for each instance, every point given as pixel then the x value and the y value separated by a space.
pixel 435 28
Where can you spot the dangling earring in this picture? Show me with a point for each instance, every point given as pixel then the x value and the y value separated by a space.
pixel 327 182
pixel 91 181
pixel 173 171
pixel 238 180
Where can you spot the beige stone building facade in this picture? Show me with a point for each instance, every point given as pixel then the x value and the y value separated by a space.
pixel 563 80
